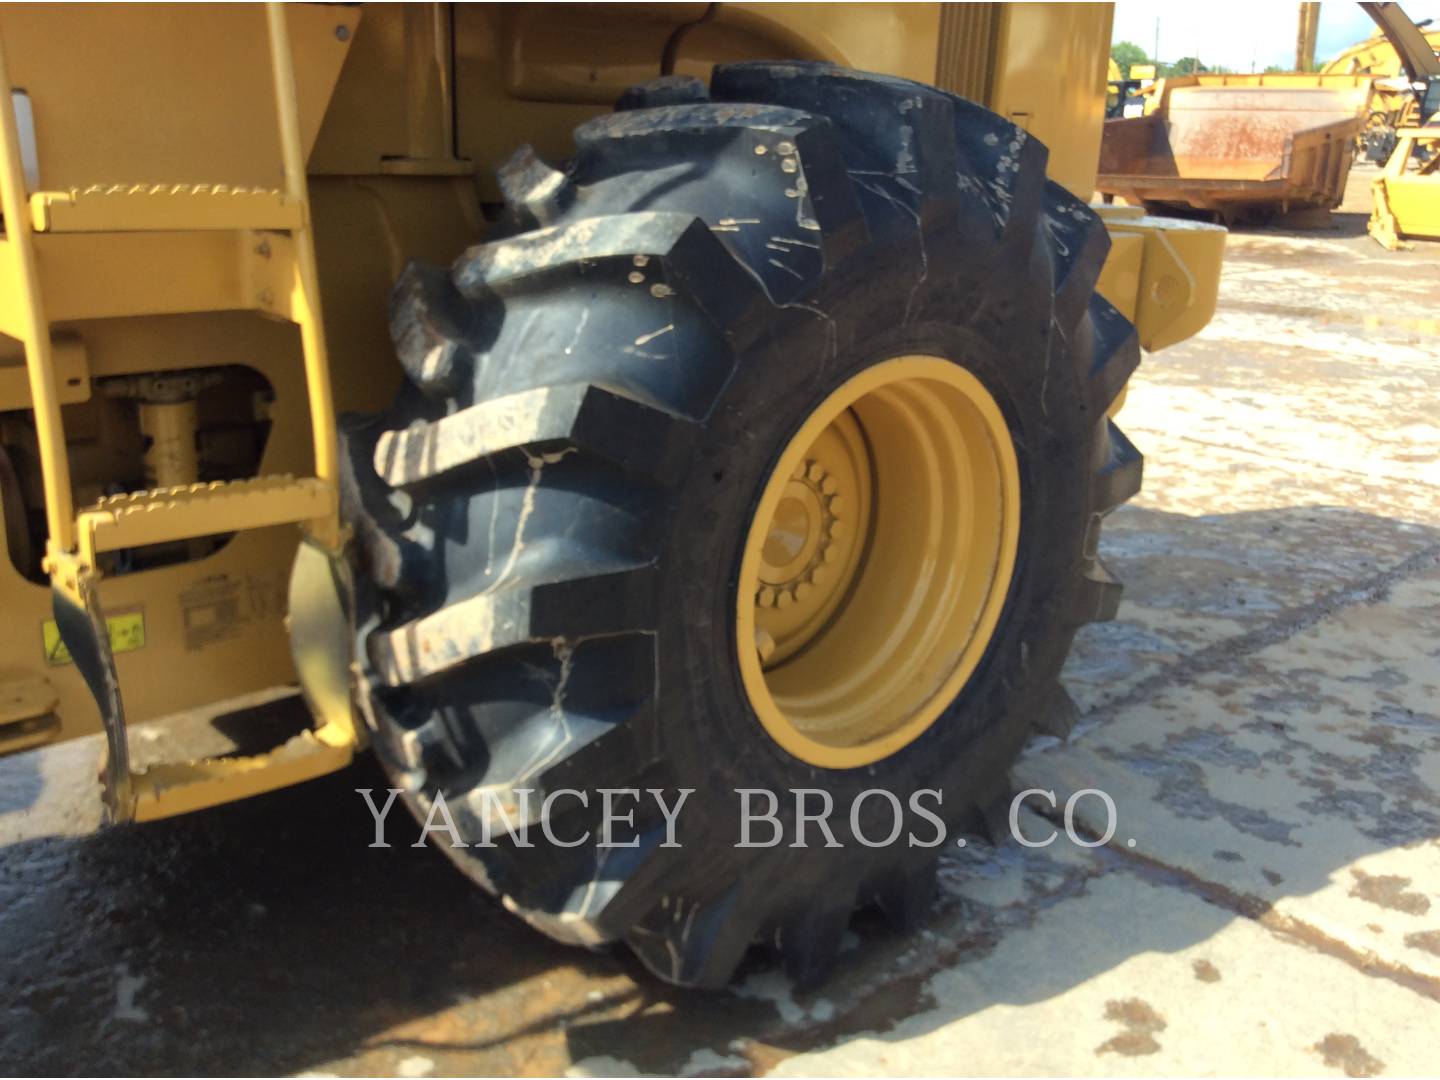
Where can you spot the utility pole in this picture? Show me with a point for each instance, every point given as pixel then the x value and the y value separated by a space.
pixel 1306 34
pixel 1155 56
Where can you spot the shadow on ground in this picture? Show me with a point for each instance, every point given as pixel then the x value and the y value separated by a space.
pixel 267 937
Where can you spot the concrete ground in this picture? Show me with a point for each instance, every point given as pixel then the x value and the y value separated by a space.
pixel 1263 713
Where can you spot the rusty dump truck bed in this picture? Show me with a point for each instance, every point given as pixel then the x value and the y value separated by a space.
pixel 1238 145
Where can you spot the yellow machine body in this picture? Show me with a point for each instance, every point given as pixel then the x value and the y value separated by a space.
pixel 1393 105
pixel 1406 194
pixel 1407 191
pixel 1373 56
pixel 205 207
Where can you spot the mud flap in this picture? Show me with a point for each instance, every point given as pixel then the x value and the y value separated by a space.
pixel 82 627
pixel 322 636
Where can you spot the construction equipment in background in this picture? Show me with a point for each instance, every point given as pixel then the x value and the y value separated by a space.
pixel 1394 104
pixel 1262 147
pixel 1238 147
pixel 1125 92
pixel 688 450
pixel 1114 89
pixel 1406 194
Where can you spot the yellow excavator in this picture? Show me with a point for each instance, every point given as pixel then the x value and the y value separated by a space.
pixel 1394 103
pixel 562 402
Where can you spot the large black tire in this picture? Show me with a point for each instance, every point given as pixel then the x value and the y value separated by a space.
pixel 551 514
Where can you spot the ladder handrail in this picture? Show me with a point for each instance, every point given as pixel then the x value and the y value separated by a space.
pixel 35 331
pixel 35 328
pixel 307 313
pixel 74 573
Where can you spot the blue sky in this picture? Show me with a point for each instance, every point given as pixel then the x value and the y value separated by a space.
pixel 1240 35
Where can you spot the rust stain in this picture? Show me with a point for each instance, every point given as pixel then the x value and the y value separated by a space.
pixel 1141 1022
pixel 1388 891
pixel 1345 1052
pixel 1205 971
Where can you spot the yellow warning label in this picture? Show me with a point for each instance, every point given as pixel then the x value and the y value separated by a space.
pixel 127 633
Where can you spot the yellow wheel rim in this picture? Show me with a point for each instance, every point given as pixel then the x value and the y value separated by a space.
pixel 877 562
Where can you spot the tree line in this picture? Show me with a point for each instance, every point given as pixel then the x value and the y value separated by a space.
pixel 1127 53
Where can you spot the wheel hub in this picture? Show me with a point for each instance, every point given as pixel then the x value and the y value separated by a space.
pixel 812 546
pixel 877 562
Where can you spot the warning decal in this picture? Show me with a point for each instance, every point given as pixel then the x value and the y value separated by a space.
pixel 127 633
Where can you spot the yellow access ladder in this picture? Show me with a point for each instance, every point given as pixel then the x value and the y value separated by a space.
pixel 282 280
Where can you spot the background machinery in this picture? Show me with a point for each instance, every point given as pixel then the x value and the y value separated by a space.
pixel 1127 94
pixel 1394 104
pixel 749 426
pixel 1407 192
pixel 1257 147
pixel 1238 146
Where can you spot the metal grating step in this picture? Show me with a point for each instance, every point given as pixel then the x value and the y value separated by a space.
pixel 183 513
pixel 162 208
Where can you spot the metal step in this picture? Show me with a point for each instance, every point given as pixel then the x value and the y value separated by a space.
pixel 163 208
pixel 228 750
pixel 183 513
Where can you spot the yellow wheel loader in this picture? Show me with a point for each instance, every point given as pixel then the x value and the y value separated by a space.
pixel 564 401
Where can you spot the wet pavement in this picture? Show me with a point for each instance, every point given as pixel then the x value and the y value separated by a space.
pixel 1264 714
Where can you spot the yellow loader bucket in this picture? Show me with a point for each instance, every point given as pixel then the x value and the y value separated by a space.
pixel 1238 146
